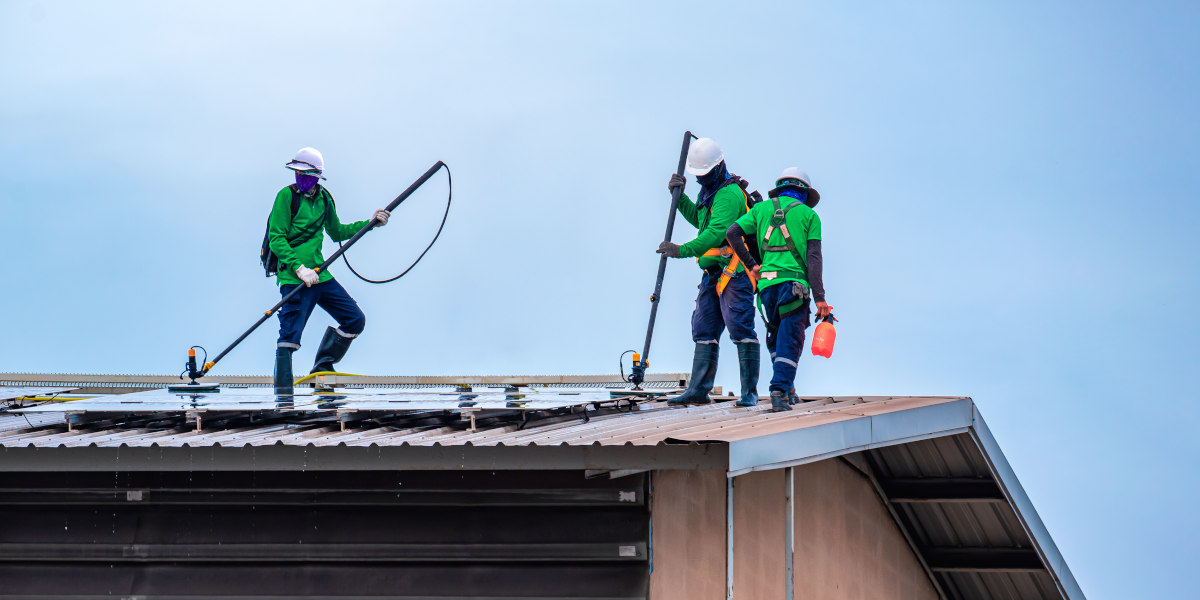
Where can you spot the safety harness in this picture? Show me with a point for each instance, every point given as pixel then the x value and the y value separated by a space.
pixel 779 222
pixel 730 270
pixel 725 251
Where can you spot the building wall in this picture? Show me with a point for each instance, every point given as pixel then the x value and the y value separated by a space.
pixel 759 523
pixel 687 535
pixel 847 547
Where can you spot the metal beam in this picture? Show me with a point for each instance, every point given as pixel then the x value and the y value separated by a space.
pixel 624 551
pixel 201 496
pixel 370 458
pixel 729 538
pixel 983 560
pixel 941 490
pixel 789 532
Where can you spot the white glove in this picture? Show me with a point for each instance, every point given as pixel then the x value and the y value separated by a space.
pixel 382 216
pixel 307 275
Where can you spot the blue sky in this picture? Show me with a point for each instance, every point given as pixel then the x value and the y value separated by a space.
pixel 1007 204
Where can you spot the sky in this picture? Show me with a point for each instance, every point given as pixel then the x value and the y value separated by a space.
pixel 1007 205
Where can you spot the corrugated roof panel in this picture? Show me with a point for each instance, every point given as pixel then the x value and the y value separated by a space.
pixel 651 423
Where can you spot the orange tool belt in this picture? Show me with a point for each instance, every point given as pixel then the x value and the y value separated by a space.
pixel 730 269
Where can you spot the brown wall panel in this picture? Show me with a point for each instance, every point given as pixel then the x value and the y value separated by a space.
pixel 847 545
pixel 687 522
pixel 758 535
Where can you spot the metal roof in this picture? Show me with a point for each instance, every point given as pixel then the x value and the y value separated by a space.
pixel 931 458
pixel 649 424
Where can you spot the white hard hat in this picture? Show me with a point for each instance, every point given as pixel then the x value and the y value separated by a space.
pixel 794 173
pixel 308 159
pixel 703 155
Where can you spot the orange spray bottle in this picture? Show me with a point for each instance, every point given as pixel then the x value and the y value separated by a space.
pixel 824 336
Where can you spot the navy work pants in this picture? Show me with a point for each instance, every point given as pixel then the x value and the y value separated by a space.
pixel 785 335
pixel 330 296
pixel 733 309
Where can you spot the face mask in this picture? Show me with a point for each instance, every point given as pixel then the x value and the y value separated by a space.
pixel 305 182
pixel 710 182
pixel 801 195
pixel 716 176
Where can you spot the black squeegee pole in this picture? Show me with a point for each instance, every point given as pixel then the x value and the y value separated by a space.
pixel 329 261
pixel 662 262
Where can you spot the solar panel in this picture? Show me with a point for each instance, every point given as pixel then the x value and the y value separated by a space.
pixel 343 400
pixel 13 393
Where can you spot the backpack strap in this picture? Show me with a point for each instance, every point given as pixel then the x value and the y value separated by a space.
pixel 307 234
pixel 295 200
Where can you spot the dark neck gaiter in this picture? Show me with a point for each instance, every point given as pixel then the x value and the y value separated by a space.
pixel 710 182
pixel 801 195
pixel 304 182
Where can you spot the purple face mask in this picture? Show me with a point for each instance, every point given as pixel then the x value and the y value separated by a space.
pixel 305 182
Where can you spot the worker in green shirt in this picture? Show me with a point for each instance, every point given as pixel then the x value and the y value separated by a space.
pixel 788 232
pixel 294 233
pixel 726 297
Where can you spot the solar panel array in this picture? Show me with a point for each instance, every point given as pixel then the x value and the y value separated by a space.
pixel 15 393
pixel 340 400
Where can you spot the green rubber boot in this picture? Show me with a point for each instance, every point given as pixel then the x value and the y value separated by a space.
pixel 704 372
pixel 748 359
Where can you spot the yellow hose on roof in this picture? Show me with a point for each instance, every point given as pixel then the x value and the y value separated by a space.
pixel 319 373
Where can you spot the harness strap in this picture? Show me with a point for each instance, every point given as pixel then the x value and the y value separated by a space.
pixel 785 310
pixel 772 275
pixel 779 221
pixel 729 272
pixel 724 251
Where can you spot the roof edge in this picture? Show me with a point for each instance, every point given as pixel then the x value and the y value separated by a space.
pixel 830 440
pixel 1004 475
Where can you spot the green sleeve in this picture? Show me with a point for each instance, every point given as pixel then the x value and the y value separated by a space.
pixel 727 206
pixel 277 229
pixel 688 209
pixel 334 227
pixel 814 227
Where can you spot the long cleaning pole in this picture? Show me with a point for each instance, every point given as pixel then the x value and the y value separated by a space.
pixel 346 246
pixel 639 366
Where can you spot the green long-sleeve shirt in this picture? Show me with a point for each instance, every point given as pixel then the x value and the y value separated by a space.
pixel 728 204
pixel 281 226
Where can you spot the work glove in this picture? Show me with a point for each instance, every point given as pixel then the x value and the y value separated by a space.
pixel 676 181
pixel 669 249
pixel 382 215
pixel 307 275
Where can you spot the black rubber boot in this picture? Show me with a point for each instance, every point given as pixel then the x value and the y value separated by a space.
pixel 333 347
pixel 704 372
pixel 283 371
pixel 779 402
pixel 748 360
